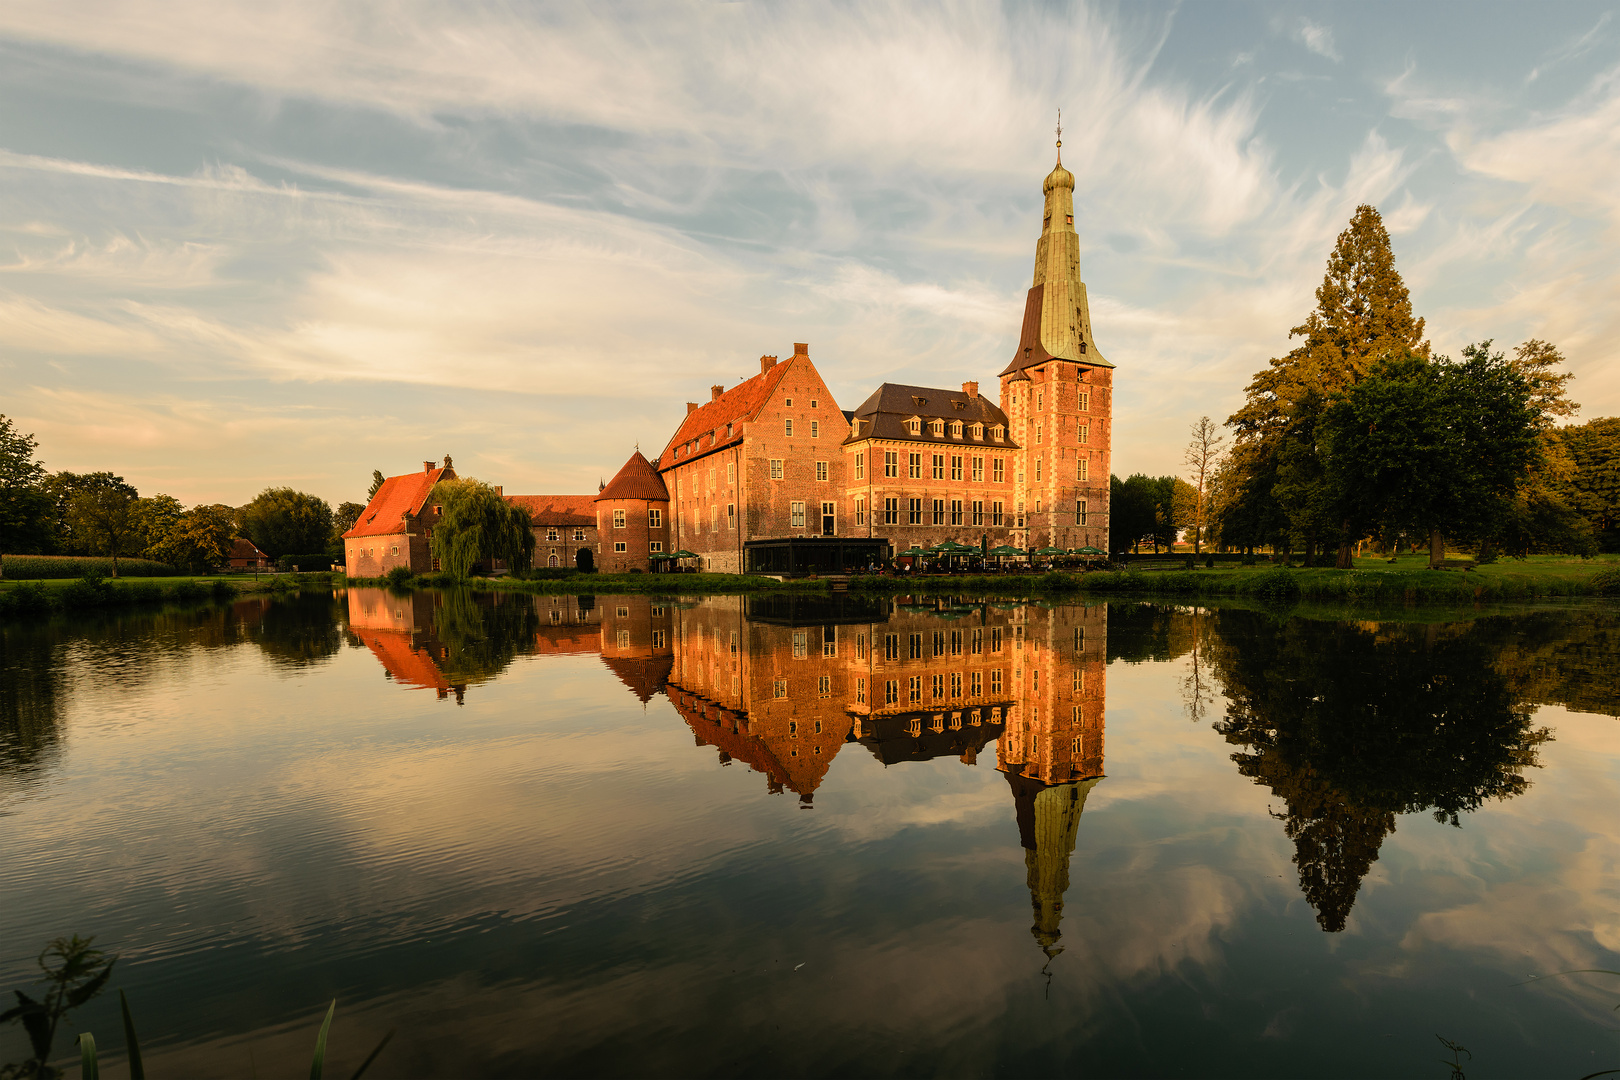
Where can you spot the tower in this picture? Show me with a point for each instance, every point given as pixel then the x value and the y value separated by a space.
pixel 1057 391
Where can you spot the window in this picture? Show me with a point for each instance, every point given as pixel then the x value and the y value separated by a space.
pixel 734 643
pixel 860 691
pixel 956 692
pixel 891 646
pixel 939 466
pixel 956 466
pixel 731 515
pixel 776 468
pixel 1038 399
pixel 779 688
pixel 976 689
pixel 998 433
pixel 829 641
pixel 815 429
pixel 937 429
pixel 801 644
pixel 623 638
pixel 995 681
pixel 1085 434
pixel 655 545
pixel 814 403
pixel 891 692
pixel 995 639
pixel 1085 401
pixel 821 470
pixel 731 472
pixel 1037 433
pixel 823 689
pixel 995 513
pixel 619 546
pixel 976 641
pixel 916 688
pixel 860 646
pixel 1084 470
pixel 956 511
pixel 798 515
pixel 914 466
pixel 579 534
pixel 1079 686
pixel 1079 511
pixel 937 682
pixel 956 429
pixel 978 431
pixel 1079 644
pixel 618 519
pixel 829 518
pixel 914 426
pixel 396 549
pixel 1020 514
pixel 998 470
pixel 938 642
pixel 939 511
pixel 891 463
pixel 860 466
pixel 788 402
pixel 787 428
pixel 860 511
pixel 711 479
pixel 978 470
pixel 956 643
pixel 978 512
pixel 655 518
pixel 551 534
pixel 914 647
pixel 914 512
pixel 891 511
pixel 1037 470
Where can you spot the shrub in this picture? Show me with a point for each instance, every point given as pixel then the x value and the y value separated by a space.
pixel 1276 585
pixel 29 598
pixel 1605 582
pixel 1209 562
pixel 399 577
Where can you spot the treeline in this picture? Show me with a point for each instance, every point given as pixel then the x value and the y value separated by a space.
pixel 1363 434
pixel 102 514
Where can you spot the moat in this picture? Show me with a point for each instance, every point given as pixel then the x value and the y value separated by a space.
pixel 622 835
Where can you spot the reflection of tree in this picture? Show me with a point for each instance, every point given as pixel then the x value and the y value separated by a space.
pixel 480 634
pixel 1352 726
pixel 299 629
pixel 30 695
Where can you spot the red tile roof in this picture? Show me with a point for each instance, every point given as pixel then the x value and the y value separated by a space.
pixel 245 550
pixel 637 480
pixel 571 511
pixel 398 496
pixel 735 407
pixel 408 664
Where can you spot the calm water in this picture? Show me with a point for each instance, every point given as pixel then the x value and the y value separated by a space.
pixel 696 837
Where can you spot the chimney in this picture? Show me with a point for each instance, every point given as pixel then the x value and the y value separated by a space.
pixel 766 363
pixel 691 407
pixel 427 466
pixel 971 389
pixel 801 349
pixel 500 489
pixel 715 392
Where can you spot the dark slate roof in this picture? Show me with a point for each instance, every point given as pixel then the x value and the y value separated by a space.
pixel 637 480
pixel 884 415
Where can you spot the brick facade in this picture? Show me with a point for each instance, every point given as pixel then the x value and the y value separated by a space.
pixel 395 527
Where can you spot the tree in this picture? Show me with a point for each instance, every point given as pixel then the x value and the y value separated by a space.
pixel 344 517
pixel 1593 486
pixel 377 479
pixel 24 508
pixel 1543 516
pixel 155 516
pixel 103 517
pixel 1363 315
pixel 200 539
pixel 1537 362
pixel 1436 447
pixel 478 524
pixel 282 521
pixel 1203 458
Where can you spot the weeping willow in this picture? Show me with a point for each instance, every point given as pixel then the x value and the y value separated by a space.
pixel 479 524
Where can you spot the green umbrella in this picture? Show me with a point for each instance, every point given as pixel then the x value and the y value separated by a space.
pixel 1006 549
pixel 655 556
pixel 953 546
pixel 1049 551
pixel 1088 550
pixel 683 554
pixel 913 550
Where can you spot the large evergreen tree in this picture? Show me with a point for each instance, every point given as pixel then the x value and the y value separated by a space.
pixel 1363 315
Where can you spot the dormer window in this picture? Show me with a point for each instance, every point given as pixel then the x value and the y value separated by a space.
pixel 919 401
pixel 937 429
pixel 958 405
pixel 978 431
pixel 998 433
pixel 956 430
pixel 728 431
pixel 914 426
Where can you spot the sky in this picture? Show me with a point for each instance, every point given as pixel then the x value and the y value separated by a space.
pixel 265 244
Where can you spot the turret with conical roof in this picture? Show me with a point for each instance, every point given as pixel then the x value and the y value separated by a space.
pixel 632 517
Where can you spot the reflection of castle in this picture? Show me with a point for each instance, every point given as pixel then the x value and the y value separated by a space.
pixel 784 691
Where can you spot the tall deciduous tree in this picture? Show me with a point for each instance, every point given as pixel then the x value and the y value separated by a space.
pixel 1363 315
pixel 155 516
pixel 1593 486
pixel 200 539
pixel 1202 458
pixel 282 521
pixel 105 517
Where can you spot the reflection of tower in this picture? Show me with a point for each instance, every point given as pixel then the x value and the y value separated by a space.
pixel 1052 750
pixel 635 642
pixel 1048 815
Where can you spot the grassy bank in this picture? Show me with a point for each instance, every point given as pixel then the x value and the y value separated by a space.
pixel 39 599
pixel 572 584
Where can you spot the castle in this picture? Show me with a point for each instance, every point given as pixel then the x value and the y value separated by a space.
pixel 771 476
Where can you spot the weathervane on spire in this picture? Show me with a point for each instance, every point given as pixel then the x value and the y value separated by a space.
pixel 1060 136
